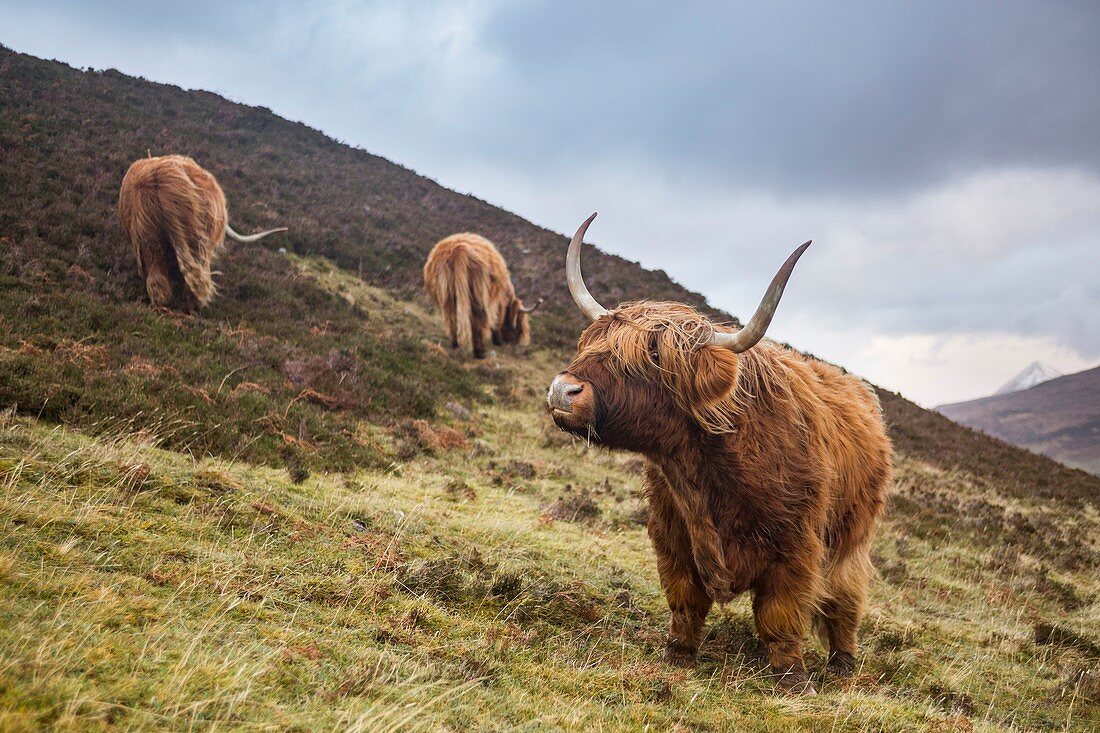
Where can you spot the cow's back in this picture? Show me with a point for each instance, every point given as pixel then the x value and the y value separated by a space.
pixel 809 424
pixel 475 253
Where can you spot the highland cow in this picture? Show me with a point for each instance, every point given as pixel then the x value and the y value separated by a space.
pixel 175 216
pixel 765 470
pixel 469 282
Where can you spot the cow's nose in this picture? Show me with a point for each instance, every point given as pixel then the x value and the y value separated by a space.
pixel 563 390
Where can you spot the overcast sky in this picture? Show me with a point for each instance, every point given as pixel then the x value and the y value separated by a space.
pixel 943 156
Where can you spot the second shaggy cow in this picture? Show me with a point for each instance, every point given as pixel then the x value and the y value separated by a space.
pixel 175 216
pixel 469 282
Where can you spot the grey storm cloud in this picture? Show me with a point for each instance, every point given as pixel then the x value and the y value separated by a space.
pixel 809 96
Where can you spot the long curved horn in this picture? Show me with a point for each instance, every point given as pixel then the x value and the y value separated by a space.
pixel 250 237
pixel 757 326
pixel 532 308
pixel 584 300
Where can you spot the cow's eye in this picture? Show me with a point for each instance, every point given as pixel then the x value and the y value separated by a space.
pixel 655 357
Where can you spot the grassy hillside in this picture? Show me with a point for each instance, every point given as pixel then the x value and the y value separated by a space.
pixel 496 578
pixel 1059 418
pixel 298 512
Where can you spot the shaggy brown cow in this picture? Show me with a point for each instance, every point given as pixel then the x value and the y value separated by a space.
pixel 175 216
pixel 765 470
pixel 469 282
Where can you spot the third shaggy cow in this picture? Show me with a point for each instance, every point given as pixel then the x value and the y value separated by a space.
pixel 175 216
pixel 469 282
pixel 765 470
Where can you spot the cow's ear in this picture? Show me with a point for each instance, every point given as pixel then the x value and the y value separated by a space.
pixel 714 375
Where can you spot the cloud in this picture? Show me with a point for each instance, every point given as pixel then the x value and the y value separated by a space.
pixel 848 96
pixel 998 257
pixel 938 369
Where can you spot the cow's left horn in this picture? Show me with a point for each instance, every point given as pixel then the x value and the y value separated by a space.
pixel 757 326
pixel 584 300
pixel 533 308
pixel 250 237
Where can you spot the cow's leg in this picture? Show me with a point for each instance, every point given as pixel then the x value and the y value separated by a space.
pixel 707 548
pixel 156 265
pixel 450 325
pixel 687 598
pixel 781 608
pixel 479 325
pixel 841 612
pixel 159 288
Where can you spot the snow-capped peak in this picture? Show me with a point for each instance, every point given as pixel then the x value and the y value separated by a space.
pixel 1035 373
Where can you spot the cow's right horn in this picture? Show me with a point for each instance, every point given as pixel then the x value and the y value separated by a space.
pixel 757 326
pixel 246 238
pixel 584 300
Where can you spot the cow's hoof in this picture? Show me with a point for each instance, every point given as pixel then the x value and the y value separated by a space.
pixel 841 664
pixel 794 682
pixel 680 657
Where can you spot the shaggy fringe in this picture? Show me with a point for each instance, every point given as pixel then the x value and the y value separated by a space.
pixel 679 334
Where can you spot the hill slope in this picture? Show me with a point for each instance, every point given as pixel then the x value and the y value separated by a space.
pixel 297 511
pixel 1059 418
pixel 81 346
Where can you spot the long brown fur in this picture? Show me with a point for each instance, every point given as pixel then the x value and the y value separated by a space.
pixel 174 214
pixel 469 282
pixel 766 471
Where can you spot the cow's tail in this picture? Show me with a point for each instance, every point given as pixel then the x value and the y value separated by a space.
pixel 458 282
pixel 441 275
pixel 247 238
pixel 189 236
pixel 461 297
pixel 137 210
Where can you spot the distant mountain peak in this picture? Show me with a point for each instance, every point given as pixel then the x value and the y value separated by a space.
pixel 1034 373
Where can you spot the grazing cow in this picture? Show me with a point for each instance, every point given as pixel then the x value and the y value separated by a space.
pixel 175 216
pixel 765 470
pixel 469 282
